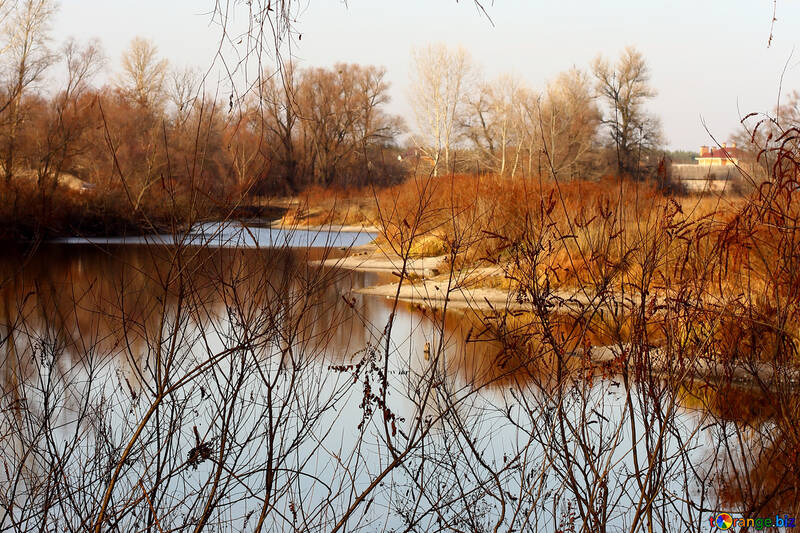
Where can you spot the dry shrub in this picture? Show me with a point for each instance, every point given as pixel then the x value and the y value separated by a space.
pixel 428 246
pixel 487 217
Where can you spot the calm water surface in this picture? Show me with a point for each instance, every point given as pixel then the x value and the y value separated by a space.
pixel 85 326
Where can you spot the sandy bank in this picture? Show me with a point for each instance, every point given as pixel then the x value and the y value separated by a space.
pixel 704 370
pixel 436 293
pixel 334 228
pixel 444 290
pixel 467 289
pixel 373 259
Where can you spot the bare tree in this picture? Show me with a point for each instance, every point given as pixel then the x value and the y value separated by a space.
pixel 439 80
pixel 64 132
pixel 505 120
pixel 27 38
pixel 182 89
pixel 83 64
pixel 624 88
pixel 374 127
pixel 492 122
pixel 142 85
pixel 143 73
pixel 566 122
pixel 342 118
pixel 277 108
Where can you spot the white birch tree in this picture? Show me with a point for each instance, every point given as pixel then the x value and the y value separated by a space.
pixel 439 79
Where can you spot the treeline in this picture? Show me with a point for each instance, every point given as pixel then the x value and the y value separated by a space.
pixel 580 125
pixel 155 144
pixel 318 126
pixel 155 141
pixel 312 126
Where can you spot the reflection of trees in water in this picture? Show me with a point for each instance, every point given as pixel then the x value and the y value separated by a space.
pixel 762 477
pixel 205 356
pixel 689 429
pixel 74 297
pixel 243 386
pixel 754 455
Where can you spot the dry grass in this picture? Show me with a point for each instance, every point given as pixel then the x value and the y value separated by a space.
pixel 318 206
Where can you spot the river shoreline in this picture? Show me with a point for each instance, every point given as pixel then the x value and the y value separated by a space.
pixel 424 285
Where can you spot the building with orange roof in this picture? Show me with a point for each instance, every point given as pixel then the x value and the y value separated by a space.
pixel 719 157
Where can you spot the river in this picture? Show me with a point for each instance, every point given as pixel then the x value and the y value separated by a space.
pixel 219 379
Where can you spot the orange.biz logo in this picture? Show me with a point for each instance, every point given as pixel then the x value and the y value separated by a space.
pixel 725 521
pixel 722 521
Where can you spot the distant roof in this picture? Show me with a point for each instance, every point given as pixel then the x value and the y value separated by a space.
pixel 731 152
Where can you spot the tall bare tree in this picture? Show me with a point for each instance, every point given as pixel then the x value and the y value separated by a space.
pixel 67 121
pixel 374 126
pixel 342 117
pixel 508 123
pixel 182 89
pixel 143 73
pixel 625 88
pixel 278 110
pixel 566 121
pixel 28 57
pixel 439 79
pixel 492 122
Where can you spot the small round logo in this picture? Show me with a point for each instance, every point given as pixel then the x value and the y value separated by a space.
pixel 723 521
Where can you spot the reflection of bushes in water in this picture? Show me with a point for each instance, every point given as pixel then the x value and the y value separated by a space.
pixel 209 339
pixel 485 350
pixel 117 295
pixel 768 481
pixel 741 404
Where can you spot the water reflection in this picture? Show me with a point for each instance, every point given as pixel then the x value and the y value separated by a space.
pixel 237 235
pixel 274 367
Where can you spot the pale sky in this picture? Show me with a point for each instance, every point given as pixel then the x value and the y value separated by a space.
pixel 709 59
